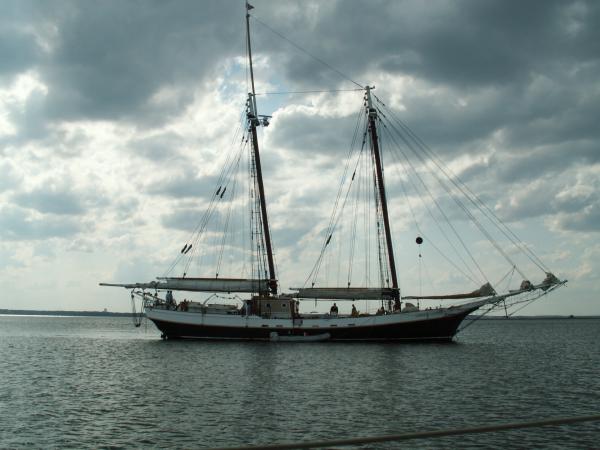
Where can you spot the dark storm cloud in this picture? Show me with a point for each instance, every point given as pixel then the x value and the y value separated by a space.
pixel 575 206
pixel 113 56
pixel 478 169
pixel 529 164
pixel 465 43
pixel 523 76
pixel 16 224
pixel 185 184
pixel 517 82
pixel 446 125
pixel 540 112
pixel 529 70
pixel 18 51
pixel 126 208
pixel 9 178
pixel 188 219
pixel 107 59
pixel 587 219
pixel 290 236
pixel 181 220
pixel 469 43
pixel 50 200
pixel 158 148
pixel 308 133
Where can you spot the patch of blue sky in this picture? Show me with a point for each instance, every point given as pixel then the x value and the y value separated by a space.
pixel 237 75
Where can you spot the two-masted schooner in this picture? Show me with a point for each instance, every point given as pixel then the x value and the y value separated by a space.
pixel 268 314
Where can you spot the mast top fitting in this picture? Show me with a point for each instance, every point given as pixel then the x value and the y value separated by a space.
pixel 372 111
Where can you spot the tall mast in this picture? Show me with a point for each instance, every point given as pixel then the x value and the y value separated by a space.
pixel 381 188
pixel 253 122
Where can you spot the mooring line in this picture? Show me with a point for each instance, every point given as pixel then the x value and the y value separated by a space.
pixel 419 435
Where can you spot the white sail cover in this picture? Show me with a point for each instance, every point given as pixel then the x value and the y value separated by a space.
pixel 201 285
pixel 349 293
pixel 484 291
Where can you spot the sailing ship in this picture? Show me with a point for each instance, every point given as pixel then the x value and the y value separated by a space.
pixel 266 313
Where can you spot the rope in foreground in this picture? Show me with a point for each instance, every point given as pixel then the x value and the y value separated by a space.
pixel 420 435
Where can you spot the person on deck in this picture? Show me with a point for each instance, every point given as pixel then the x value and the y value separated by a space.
pixel 354 311
pixel 334 310
pixel 169 299
pixel 247 308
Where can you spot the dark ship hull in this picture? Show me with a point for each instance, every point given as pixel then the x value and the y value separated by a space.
pixel 437 325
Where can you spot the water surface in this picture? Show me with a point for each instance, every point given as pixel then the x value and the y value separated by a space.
pixel 73 382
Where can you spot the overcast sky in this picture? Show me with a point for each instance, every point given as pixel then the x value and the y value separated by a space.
pixel 115 115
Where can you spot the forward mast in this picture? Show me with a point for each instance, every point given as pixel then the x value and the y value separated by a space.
pixel 253 122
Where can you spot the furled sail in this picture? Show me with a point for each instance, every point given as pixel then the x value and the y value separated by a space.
pixel 484 291
pixel 349 293
pixel 201 285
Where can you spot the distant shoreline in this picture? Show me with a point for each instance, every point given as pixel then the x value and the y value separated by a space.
pixel 29 312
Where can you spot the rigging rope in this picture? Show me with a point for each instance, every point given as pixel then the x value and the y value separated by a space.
pixel 421 232
pixel 438 206
pixel 195 234
pixel 224 181
pixel 460 204
pixel 316 91
pixel 228 217
pixel 330 226
pixel 341 74
pixel 361 441
pixel 468 193
pixel 353 224
pixel 332 229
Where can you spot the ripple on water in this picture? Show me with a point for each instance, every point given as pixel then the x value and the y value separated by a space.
pixel 98 382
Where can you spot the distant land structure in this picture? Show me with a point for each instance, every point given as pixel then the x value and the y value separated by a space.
pixel 29 312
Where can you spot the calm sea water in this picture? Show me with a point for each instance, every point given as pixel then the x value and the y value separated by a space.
pixel 79 382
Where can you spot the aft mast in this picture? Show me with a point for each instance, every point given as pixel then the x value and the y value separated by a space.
pixel 382 196
pixel 253 121
pixel 385 292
